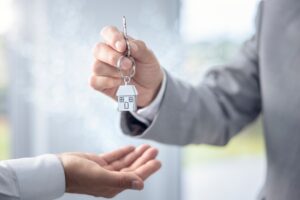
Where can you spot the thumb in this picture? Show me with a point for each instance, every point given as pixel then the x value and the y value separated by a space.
pixel 127 180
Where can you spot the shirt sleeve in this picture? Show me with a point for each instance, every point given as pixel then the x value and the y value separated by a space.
pixel 32 178
pixel 148 113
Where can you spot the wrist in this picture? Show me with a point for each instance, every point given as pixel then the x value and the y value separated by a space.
pixel 61 158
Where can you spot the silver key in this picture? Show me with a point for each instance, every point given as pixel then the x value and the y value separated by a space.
pixel 127 94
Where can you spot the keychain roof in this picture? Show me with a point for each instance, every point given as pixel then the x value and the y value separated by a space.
pixel 125 90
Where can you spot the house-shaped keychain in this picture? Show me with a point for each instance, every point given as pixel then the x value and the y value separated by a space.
pixel 127 96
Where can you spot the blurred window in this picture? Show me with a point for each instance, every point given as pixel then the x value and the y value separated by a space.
pixel 6 20
pixel 4 125
pixel 213 31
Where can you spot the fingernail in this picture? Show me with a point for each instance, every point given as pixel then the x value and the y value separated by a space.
pixel 137 185
pixel 133 46
pixel 119 46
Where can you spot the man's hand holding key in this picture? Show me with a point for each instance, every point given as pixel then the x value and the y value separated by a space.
pixel 106 77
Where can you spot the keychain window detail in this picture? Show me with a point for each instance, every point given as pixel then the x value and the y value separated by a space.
pixel 130 99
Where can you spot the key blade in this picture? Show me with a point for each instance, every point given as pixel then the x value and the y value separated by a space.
pixel 124 26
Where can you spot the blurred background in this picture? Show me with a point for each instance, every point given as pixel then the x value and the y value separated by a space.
pixel 47 106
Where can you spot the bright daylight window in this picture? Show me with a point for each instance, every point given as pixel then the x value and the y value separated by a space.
pixel 4 131
pixel 6 20
pixel 213 31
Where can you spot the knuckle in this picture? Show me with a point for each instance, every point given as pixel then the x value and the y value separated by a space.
pixel 96 84
pixel 108 31
pixel 93 82
pixel 112 59
pixel 97 48
pixel 101 83
pixel 122 181
pixel 105 30
pixel 111 29
pixel 100 87
pixel 97 67
pixel 142 44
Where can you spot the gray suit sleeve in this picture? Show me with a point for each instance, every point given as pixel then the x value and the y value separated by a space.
pixel 224 102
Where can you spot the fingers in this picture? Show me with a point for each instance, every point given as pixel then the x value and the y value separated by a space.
pixel 102 83
pixel 107 54
pixel 125 180
pixel 148 155
pixel 148 169
pixel 117 154
pixel 126 161
pixel 103 69
pixel 114 38
pixel 93 157
pixel 86 177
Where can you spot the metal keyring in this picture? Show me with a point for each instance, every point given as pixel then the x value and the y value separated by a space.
pixel 133 66
pixel 126 79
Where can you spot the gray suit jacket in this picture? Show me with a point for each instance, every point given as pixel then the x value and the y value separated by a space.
pixel 265 77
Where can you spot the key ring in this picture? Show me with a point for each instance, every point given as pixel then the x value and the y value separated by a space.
pixel 133 66
pixel 126 79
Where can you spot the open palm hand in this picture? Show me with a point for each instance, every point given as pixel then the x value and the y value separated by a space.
pixel 108 174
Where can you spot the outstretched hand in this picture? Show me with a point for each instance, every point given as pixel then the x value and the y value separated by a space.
pixel 108 174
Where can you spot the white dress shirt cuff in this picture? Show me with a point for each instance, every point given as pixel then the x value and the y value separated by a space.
pixel 148 113
pixel 39 177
